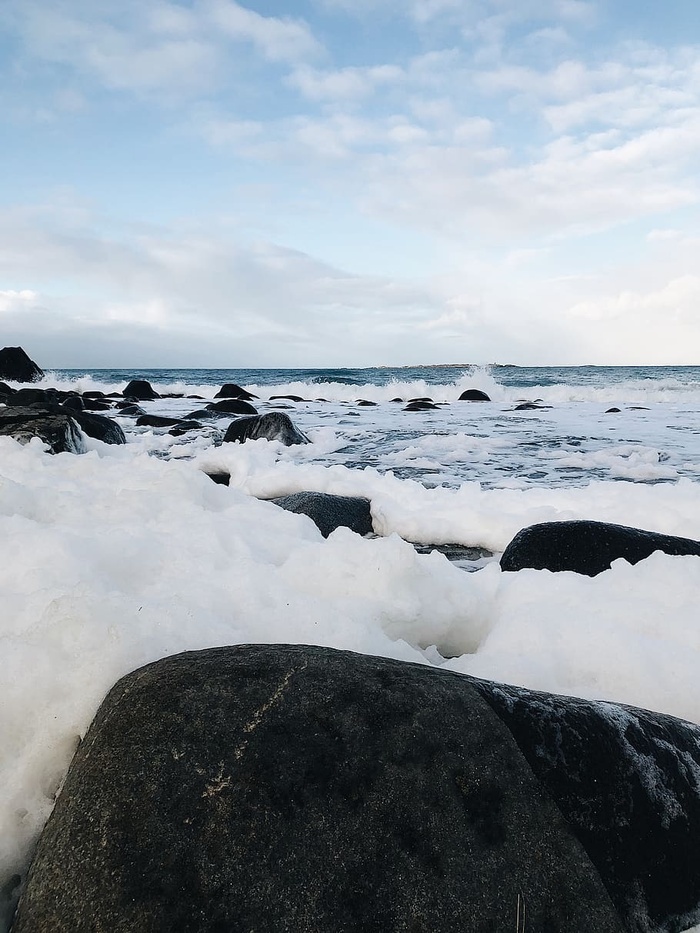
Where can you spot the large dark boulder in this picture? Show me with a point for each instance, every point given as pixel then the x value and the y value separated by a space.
pixel 99 427
pixel 231 390
pixel 294 788
pixel 330 512
pixel 474 395
pixel 16 366
pixel 587 547
pixel 141 390
pixel 274 425
pixel 55 427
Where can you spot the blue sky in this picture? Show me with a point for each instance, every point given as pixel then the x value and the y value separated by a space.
pixel 349 182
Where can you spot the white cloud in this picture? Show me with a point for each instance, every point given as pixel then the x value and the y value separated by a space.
pixel 161 48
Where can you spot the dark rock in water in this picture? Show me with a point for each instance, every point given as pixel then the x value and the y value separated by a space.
pixel 6 391
pixel 94 393
pixel 96 404
pixel 274 425
pixel 587 547
pixel 206 413
pixel 365 402
pixel 530 406
pixel 184 427
pixel 330 512
pixel 35 397
pixel 16 366
pixel 156 421
pixel 233 406
pixel 420 406
pixel 396 400
pixel 55 427
pixel 292 398
pixel 294 788
pixel 99 427
pixel 611 411
pixel 221 479
pixel 474 395
pixel 74 403
pixel 141 390
pixel 129 408
pixel 231 390
pixel 422 398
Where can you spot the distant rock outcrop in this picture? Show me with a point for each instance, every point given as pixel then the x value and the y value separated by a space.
pixel 274 425
pixel 587 547
pixel 330 512
pixel 16 366
pixel 290 787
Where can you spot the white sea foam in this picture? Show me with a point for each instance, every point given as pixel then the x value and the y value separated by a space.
pixel 118 557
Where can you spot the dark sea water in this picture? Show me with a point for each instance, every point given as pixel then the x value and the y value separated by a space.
pixel 511 376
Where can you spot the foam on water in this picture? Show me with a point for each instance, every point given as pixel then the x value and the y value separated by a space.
pixel 126 554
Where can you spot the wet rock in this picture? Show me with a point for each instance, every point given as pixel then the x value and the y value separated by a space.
pixel 129 408
pixel 99 427
pixel 56 428
pixel 156 421
pixel 366 403
pixel 231 390
pixel 233 406
pixel 278 787
pixel 474 395
pixel 587 547
pixel 329 512
pixel 16 366
pixel 291 398
pixel 420 406
pixel 611 411
pixel 184 427
pixel 141 390
pixel 274 425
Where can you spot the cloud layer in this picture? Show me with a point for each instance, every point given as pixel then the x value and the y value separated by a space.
pixel 201 183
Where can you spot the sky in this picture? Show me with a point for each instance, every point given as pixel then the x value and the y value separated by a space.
pixel 323 183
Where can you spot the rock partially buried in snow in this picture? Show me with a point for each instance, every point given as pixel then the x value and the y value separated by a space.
pixel 587 547
pixel 270 788
pixel 17 366
pixel 330 512
pixel 274 425
pixel 56 428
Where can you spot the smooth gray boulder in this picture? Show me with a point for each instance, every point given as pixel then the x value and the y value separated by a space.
pixel 293 788
pixel 587 547
pixel 17 366
pixel 330 512
pixel 274 425
pixel 55 427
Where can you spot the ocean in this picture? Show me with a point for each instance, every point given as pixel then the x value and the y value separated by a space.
pixel 124 554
